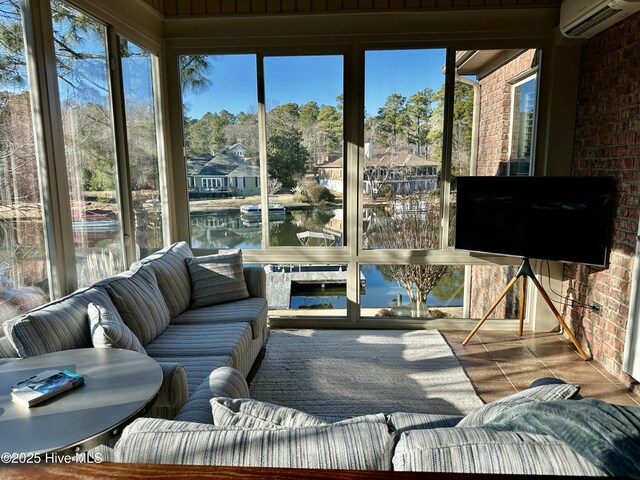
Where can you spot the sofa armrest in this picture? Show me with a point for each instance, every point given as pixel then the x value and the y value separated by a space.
pixel 173 393
pixel 222 382
pixel 256 280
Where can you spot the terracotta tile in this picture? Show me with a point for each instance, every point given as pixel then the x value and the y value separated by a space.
pixel 490 391
pixel 606 393
pixel 485 373
pixel 501 363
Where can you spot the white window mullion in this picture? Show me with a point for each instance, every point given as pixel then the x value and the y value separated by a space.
pixel 123 185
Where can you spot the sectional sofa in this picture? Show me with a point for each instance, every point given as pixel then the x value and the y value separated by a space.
pixel 545 430
pixel 204 319
pixel 156 300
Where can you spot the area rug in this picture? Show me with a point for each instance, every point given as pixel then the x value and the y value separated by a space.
pixel 356 372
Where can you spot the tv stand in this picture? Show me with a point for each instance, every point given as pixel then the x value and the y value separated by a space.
pixel 525 271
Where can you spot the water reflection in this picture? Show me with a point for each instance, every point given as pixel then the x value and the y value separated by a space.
pixel 231 229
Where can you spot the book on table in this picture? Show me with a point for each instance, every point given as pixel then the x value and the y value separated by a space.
pixel 44 385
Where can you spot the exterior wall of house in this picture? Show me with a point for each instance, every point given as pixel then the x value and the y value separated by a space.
pixel 493 155
pixel 607 142
pixel 495 115
pixel 251 185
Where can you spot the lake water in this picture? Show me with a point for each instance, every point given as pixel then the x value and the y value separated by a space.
pixel 229 229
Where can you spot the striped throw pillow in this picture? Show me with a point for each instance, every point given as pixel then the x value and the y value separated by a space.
pixel 139 301
pixel 109 331
pixel 217 279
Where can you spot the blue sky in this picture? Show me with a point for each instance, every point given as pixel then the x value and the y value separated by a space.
pixel 314 78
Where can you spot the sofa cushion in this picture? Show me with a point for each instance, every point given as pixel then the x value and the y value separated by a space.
pixel 197 368
pixel 250 413
pixel 7 350
pixel 543 393
pixel 137 297
pixel 232 339
pixel 60 325
pixel 217 279
pixel 108 330
pixel 250 310
pixel 403 421
pixel 475 450
pixel 169 265
pixel 358 446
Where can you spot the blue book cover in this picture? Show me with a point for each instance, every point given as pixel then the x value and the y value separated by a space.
pixel 44 385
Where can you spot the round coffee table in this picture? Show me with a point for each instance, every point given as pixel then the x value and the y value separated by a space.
pixel 119 386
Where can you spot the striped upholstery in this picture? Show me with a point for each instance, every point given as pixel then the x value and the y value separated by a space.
pixel 475 450
pixel 233 339
pixel 197 367
pixel 352 446
pixel 174 281
pixel 217 279
pixel 256 281
pixel 222 382
pixel 249 413
pixel 6 349
pixel 543 393
pixel 244 363
pixel 402 421
pixel 137 297
pixel 250 310
pixel 109 331
pixel 59 325
pixel 173 393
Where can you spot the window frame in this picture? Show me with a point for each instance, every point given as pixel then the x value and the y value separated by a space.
pixel 352 254
pixel 49 137
pixel 518 81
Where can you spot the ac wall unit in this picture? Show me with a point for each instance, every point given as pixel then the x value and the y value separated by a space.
pixel 585 18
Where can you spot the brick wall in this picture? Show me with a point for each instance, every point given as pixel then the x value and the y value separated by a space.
pixel 607 142
pixel 495 113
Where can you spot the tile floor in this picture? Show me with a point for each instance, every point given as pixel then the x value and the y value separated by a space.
pixel 501 363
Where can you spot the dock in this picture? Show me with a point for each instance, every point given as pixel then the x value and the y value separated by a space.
pixel 279 281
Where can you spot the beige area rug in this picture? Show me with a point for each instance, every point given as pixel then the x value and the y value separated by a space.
pixel 356 372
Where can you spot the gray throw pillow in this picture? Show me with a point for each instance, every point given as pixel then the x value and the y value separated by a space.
pixel 544 393
pixel 217 279
pixel 249 413
pixel 108 330
pixel 139 301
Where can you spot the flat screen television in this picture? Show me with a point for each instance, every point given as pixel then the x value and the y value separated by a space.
pixel 565 219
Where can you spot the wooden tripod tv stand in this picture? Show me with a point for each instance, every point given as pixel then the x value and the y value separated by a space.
pixel 525 271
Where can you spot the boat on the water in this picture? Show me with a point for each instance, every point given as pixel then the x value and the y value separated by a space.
pixel 256 209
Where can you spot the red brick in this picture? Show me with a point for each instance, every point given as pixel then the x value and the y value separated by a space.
pixel 607 142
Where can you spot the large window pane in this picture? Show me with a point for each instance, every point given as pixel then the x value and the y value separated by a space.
pixel 305 155
pixel 82 67
pixel 493 135
pixel 523 114
pixel 219 99
pixel 23 261
pixel 436 291
pixel 137 76
pixel 403 148
pixel 412 291
pixel 305 290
